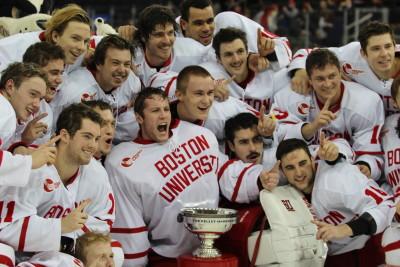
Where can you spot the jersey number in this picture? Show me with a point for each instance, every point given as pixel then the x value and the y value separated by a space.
pixel 375 193
pixel 375 134
pixel 10 210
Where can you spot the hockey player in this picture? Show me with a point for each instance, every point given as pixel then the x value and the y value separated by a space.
pixel 373 61
pixel 350 207
pixel 108 78
pixel 69 27
pixel 181 161
pixel 339 108
pixel 38 214
pixel 50 58
pixel 107 130
pixel 391 142
pixel 21 87
pixel 256 89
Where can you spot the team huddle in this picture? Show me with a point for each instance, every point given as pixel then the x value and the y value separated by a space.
pixel 104 139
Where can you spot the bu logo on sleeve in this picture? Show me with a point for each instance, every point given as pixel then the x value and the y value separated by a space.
pixel 348 69
pixel 303 108
pixel 128 161
pixel 49 185
pixel 87 96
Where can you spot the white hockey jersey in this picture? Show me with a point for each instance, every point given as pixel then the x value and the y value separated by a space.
pixel 152 182
pixel 51 259
pixel 80 85
pixel 259 88
pixel 232 19
pixel 32 213
pixel 14 169
pixel 391 149
pixel 185 52
pixel 359 119
pixel 355 67
pixel 341 193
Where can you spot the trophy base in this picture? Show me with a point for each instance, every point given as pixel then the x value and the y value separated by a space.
pixel 207 253
pixel 225 260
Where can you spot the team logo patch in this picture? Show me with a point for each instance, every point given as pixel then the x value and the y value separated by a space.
pixel 303 108
pixel 348 69
pixel 87 96
pixel 49 185
pixel 128 161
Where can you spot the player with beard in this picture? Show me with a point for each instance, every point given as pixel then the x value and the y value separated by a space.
pixel 373 61
pixel 22 85
pixel 69 27
pixel 108 77
pixel 56 201
pixel 352 209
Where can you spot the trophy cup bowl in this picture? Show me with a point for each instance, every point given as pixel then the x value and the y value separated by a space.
pixel 208 224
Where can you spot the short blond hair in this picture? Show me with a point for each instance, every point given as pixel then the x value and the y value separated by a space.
pixel 86 240
pixel 61 17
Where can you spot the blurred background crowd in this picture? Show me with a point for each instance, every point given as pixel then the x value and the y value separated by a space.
pixel 306 23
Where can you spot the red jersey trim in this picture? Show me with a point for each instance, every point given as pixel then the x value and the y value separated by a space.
pixel 72 178
pixel 116 244
pixel 129 230
pixel 224 167
pixel 360 153
pixel 239 182
pixel 392 246
pixel 6 261
pixel 138 255
pixel 22 237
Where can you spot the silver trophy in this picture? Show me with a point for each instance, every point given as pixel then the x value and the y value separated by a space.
pixel 208 224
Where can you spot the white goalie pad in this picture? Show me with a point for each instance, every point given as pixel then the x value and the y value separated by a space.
pixel 291 238
pixel 7 256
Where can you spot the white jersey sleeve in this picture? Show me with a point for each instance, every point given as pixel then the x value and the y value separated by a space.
pixel 341 193
pixel 94 185
pixel 391 149
pixel 231 19
pixel 29 221
pixel 51 259
pixel 238 180
pixel 14 169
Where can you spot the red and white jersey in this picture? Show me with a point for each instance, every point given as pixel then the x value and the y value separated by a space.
pixel 51 259
pixel 48 120
pixel 80 85
pixel 232 19
pixel 355 67
pixel 32 213
pixel 391 149
pixel 185 52
pixel 359 119
pixel 220 112
pixel 152 182
pixel 341 193
pixel 257 90
pixel 14 169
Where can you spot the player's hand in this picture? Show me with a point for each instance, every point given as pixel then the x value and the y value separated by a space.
pixel 34 129
pixel 76 219
pixel 221 91
pixel 300 83
pixel 324 117
pixel 257 63
pixel 327 232
pixel 364 169
pixel 266 124
pixel 265 45
pixel 127 32
pixel 45 154
pixel 327 150
pixel 270 179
